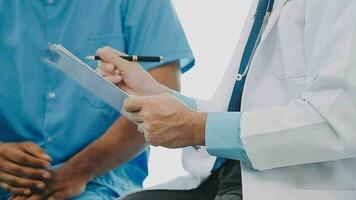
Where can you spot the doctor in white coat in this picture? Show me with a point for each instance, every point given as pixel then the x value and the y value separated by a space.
pixel 296 129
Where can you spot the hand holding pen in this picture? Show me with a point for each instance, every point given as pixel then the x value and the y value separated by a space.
pixel 148 102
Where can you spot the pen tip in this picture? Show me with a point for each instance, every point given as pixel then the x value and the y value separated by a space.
pixel 90 57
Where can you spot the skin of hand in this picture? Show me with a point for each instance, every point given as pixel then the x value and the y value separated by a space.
pixel 66 182
pixel 163 119
pixel 23 167
pixel 119 144
pixel 129 76
pixel 167 122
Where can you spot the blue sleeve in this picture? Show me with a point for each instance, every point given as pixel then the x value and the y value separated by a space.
pixel 222 136
pixel 153 28
pixel 187 100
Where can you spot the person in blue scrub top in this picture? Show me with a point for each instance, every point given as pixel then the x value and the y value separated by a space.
pixel 57 140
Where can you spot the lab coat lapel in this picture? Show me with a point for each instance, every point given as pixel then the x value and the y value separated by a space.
pixel 277 10
pixel 276 13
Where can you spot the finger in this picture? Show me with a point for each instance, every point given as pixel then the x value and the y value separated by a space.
pixel 100 71
pixel 114 79
pixel 136 118
pixel 133 104
pixel 21 182
pixel 18 198
pixel 58 196
pixel 18 170
pixel 34 150
pixel 141 127
pixel 15 190
pixel 110 55
pixel 37 197
pixel 24 159
pixel 106 69
pixel 119 53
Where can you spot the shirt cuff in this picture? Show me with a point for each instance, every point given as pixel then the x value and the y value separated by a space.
pixel 187 100
pixel 222 136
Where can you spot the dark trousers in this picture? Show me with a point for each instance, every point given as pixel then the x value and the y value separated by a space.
pixel 224 184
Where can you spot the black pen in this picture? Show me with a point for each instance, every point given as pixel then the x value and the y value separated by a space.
pixel 134 58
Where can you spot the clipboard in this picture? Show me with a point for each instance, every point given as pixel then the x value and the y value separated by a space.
pixel 62 59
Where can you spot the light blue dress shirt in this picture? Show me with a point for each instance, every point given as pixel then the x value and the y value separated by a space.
pixel 222 132
pixel 40 104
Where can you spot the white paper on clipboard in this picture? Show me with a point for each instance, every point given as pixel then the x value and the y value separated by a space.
pixel 62 59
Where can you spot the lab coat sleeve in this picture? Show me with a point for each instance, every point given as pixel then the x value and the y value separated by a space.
pixel 319 126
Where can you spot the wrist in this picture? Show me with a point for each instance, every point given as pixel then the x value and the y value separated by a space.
pixel 160 89
pixel 82 171
pixel 198 121
pixel 153 87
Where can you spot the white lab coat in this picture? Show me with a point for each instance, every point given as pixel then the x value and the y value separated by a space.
pixel 298 123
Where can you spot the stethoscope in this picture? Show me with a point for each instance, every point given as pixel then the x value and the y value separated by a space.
pixel 241 76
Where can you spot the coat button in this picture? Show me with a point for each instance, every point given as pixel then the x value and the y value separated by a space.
pixel 51 95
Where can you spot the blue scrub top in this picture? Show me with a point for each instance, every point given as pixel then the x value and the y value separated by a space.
pixel 40 104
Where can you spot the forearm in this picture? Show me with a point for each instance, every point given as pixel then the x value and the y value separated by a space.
pixel 119 144
pixel 299 133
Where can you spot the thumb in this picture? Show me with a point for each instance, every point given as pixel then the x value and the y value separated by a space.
pixel 133 104
pixel 110 55
pixel 34 150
